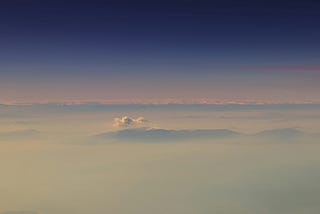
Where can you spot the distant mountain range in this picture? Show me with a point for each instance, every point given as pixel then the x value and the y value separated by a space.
pixel 20 133
pixel 161 135
pixel 282 133
pixel 168 135
pixel 152 134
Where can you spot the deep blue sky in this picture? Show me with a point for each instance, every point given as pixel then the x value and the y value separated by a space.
pixel 144 40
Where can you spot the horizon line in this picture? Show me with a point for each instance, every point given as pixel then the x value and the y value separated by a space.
pixel 161 102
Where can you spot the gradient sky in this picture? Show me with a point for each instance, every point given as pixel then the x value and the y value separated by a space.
pixel 156 50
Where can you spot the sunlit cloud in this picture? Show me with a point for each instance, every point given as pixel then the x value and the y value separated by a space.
pixel 126 121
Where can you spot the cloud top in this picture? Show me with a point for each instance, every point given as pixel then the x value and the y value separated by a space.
pixel 125 121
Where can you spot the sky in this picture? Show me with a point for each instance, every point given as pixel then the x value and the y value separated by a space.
pixel 252 148
pixel 155 51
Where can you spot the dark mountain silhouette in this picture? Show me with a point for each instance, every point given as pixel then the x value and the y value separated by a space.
pixel 152 134
pixel 167 135
pixel 281 133
pixel 27 133
pixel 19 212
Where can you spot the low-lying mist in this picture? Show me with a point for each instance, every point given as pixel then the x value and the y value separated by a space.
pixel 51 164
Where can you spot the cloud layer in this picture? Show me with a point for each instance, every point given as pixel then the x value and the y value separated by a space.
pixel 19 212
